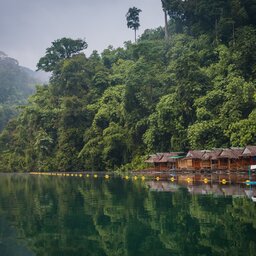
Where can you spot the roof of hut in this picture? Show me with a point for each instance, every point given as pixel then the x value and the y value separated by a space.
pixel 211 154
pixel 231 153
pixel 197 154
pixel 153 158
pixel 164 157
pixel 249 151
pixel 171 157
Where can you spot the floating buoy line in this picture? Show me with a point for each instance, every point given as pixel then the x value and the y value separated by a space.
pixel 87 175
pixel 205 180
pixel 172 179
pixel 224 181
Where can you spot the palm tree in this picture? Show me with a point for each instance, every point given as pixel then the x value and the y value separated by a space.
pixel 132 18
pixel 164 6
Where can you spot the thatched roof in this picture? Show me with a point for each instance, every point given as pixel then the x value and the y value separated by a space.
pixel 249 151
pixel 231 153
pixel 211 154
pixel 164 157
pixel 153 158
pixel 195 154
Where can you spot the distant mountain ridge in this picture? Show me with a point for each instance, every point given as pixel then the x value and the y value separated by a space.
pixel 17 83
pixel 41 77
pixel 3 55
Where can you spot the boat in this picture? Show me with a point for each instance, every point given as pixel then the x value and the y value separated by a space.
pixel 249 182
pixel 253 167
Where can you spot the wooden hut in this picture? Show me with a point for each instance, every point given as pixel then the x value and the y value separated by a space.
pixel 210 159
pixel 171 159
pixel 248 157
pixel 230 159
pixel 192 161
pixel 165 161
pixel 153 160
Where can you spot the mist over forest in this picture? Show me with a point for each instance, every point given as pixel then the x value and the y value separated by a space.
pixel 17 83
pixel 189 85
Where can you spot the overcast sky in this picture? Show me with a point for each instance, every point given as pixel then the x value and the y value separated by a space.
pixel 27 27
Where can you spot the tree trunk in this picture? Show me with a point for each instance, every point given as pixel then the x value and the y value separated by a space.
pixel 216 31
pixel 135 35
pixel 233 28
pixel 166 25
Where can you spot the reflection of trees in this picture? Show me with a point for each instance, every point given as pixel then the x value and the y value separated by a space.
pixel 177 229
pixel 9 244
pixel 225 224
pixel 61 216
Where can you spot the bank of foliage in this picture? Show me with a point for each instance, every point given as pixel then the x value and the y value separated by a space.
pixel 195 90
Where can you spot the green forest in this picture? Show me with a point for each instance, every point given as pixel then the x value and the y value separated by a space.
pixel 188 85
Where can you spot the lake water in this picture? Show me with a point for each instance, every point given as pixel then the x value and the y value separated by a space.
pixel 41 215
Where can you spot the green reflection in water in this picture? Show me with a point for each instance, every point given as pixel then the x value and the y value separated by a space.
pixel 79 216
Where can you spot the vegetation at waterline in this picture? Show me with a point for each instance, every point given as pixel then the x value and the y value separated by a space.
pixel 193 89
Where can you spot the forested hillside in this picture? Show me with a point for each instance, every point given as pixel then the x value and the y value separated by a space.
pixel 191 85
pixel 16 84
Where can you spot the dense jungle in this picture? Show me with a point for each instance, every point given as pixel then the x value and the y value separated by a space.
pixel 188 85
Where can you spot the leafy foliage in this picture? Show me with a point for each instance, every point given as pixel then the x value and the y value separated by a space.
pixel 61 49
pixel 196 90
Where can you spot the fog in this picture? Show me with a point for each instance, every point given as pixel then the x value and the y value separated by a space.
pixel 27 27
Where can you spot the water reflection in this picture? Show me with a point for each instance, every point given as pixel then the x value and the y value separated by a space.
pixel 74 216
pixel 9 242
pixel 235 190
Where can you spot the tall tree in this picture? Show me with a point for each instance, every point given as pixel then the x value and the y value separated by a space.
pixel 133 20
pixel 164 6
pixel 63 48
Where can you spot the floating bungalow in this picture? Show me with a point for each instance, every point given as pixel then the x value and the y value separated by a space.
pixel 223 159
pixel 209 160
pixel 192 161
pixel 249 155
pixel 230 159
pixel 165 161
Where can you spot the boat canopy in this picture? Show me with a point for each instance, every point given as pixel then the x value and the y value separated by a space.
pixel 253 167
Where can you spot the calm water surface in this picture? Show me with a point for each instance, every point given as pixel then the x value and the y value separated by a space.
pixel 77 216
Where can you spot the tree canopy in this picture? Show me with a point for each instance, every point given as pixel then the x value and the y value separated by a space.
pixel 61 49
pixel 108 110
